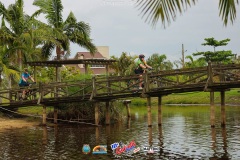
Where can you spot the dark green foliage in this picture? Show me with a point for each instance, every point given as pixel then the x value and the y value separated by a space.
pixel 216 56
pixel 215 43
pixel 124 65
pixel 159 62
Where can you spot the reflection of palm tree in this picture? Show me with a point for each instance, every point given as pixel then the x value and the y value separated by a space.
pixel 64 31
pixel 167 10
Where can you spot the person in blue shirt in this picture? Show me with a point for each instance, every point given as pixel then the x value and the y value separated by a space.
pixel 24 81
pixel 141 65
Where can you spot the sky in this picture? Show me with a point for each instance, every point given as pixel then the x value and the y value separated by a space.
pixel 119 25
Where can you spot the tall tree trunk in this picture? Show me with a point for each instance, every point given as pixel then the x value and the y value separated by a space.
pixel 19 53
pixel 58 71
pixel 0 85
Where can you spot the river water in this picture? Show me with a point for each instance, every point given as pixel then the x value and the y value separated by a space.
pixel 185 134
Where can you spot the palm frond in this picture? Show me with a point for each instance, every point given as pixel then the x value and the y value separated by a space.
pixel 52 10
pixel 227 10
pixel 166 10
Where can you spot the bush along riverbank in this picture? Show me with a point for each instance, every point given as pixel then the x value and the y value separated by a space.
pixel 232 97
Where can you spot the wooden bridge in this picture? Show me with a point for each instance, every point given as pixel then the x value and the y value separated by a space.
pixel 212 78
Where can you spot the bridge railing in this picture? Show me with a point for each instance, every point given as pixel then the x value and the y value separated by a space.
pixel 64 90
pixel 177 78
pixel 113 86
pixel 193 77
pixel 213 76
pixel 14 95
pixel 226 73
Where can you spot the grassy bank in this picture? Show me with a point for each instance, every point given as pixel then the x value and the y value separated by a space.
pixel 231 97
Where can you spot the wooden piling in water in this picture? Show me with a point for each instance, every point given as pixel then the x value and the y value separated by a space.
pixel 55 114
pixel 160 110
pixel 212 113
pixel 223 113
pixel 126 103
pixel 107 113
pixel 149 111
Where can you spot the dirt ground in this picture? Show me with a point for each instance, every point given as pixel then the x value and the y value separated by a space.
pixel 6 123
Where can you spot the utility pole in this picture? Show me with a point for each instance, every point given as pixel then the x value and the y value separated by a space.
pixel 183 56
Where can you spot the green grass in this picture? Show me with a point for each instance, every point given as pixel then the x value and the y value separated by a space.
pixel 231 97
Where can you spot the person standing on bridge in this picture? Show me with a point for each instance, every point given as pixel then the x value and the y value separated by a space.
pixel 141 65
pixel 24 81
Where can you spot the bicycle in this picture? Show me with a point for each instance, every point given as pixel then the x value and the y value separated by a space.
pixel 134 84
pixel 29 92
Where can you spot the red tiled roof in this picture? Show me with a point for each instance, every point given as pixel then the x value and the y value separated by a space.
pixel 87 55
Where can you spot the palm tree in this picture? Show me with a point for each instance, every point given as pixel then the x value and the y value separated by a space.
pixel 23 34
pixel 124 65
pixel 159 62
pixel 6 68
pixel 64 31
pixel 167 10
pixel 194 63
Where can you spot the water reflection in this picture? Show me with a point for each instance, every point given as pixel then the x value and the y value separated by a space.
pixel 224 138
pixel 128 122
pixel 97 134
pixel 160 134
pixel 185 133
pixel 44 139
pixel 150 138
pixel 213 133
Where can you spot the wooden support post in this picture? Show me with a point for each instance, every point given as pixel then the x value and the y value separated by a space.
pixel 223 113
pixel 149 111
pixel 126 102
pixel 160 110
pixel 146 83
pixel 58 79
pixel 55 114
pixel 108 81
pixel 212 116
pixel 107 113
pixel 35 74
pixel 96 106
pixel 44 116
pixel 58 74
pixel 86 68
pixel 107 69
pixel 210 74
pixel 94 88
